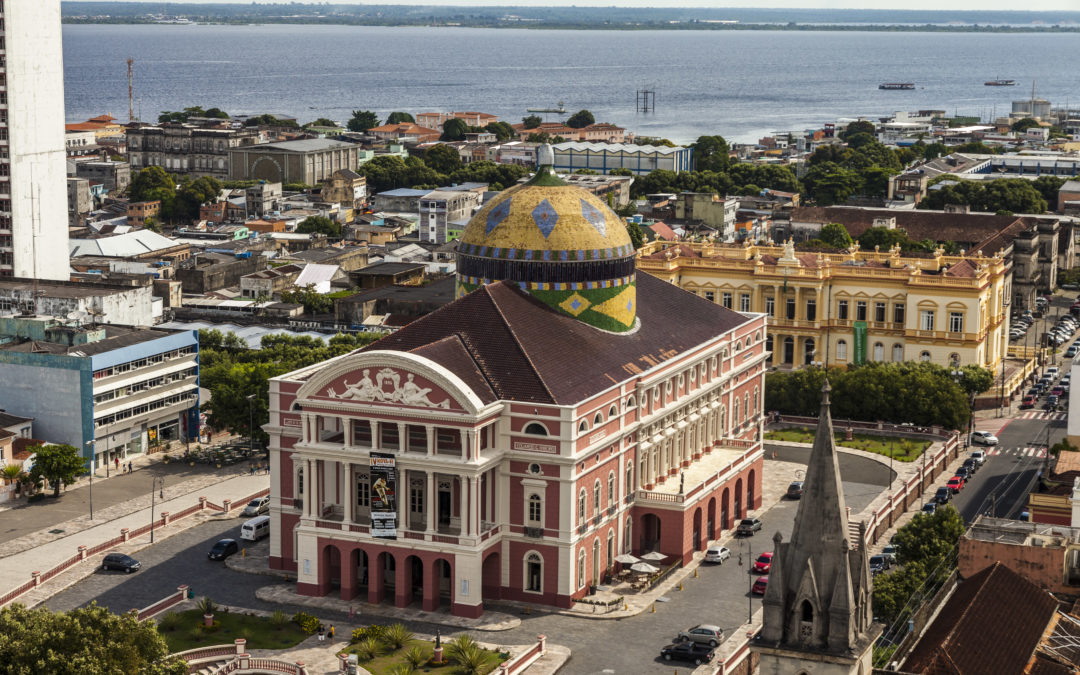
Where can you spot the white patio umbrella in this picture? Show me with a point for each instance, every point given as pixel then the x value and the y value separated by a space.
pixel 626 559
pixel 654 555
pixel 644 568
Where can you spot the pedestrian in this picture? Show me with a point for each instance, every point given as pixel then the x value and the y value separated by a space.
pixel 251 469
pixel 322 634
pixel 131 468
pixel 331 632
pixel 117 465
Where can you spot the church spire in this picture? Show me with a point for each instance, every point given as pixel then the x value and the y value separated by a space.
pixel 821 522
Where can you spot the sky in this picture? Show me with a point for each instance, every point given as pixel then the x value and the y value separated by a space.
pixel 974 5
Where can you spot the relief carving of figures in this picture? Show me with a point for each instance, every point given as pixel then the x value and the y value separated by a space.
pixel 408 393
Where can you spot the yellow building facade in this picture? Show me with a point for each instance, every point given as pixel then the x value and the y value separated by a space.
pixel 854 306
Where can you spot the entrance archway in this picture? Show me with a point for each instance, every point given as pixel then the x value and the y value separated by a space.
pixel 697 529
pixel 412 582
pixel 750 503
pixel 725 511
pixel 596 562
pixel 650 532
pixel 789 350
pixel 491 577
pixel 329 569
pixel 738 499
pixel 710 525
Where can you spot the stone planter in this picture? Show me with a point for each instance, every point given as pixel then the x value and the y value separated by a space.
pixel 208 620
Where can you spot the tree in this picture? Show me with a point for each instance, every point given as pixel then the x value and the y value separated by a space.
pixel 882 238
pixel 321 122
pixel 148 179
pixel 362 120
pixel 442 158
pixel 835 235
pixel 400 118
pixel 82 641
pixel 269 120
pixel 1022 125
pixel 151 224
pixel 313 301
pixel 543 137
pixel 454 130
pixel 858 127
pixel 216 112
pixel 319 225
pixel 532 121
pixel 830 183
pixel 1048 187
pixel 637 235
pixel 193 194
pixel 580 119
pixel 711 153
pixel 1012 195
pixel 502 130
pixel 56 464
pixel 929 537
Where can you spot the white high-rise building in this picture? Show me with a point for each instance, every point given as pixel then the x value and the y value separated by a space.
pixel 33 173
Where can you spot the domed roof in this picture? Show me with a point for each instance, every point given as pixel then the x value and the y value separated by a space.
pixel 559 243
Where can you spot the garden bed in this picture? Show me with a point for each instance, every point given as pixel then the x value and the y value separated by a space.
pixel 388 660
pixel 900 449
pixel 187 631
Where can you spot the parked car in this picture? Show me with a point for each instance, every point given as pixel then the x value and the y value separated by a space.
pixel 1052 371
pixel 794 490
pixel 1051 402
pixel 878 564
pixel 943 495
pixel 984 438
pixel 979 456
pixel 763 563
pixel 717 554
pixel 1070 352
pixel 223 549
pixel 930 507
pixel 687 651
pixel 256 507
pixel 1028 402
pixel 748 526
pixel 964 472
pixel 956 484
pixel 971 465
pixel 1058 391
pixel 120 561
pixel 890 552
pixel 760 584
pixel 705 634
pixel 1034 391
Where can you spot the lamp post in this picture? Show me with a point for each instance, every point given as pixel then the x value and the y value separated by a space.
pixel 157 486
pixel 749 580
pixel 91 444
pixel 251 423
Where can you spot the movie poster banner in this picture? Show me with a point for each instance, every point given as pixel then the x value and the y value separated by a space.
pixel 383 480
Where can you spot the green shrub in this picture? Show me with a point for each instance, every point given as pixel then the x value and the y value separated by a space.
pixel 196 633
pixel 169 623
pixel 401 669
pixel 308 623
pixel 374 631
pixel 278 619
pixel 206 605
pixel 416 656
pixel 368 648
pixel 397 635
pixel 457 648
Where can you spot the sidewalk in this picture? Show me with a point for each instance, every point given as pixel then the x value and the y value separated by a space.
pixel 18 568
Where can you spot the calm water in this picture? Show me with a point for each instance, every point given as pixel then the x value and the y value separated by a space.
pixel 739 84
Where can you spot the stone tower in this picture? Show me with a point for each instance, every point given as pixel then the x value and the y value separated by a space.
pixel 817 617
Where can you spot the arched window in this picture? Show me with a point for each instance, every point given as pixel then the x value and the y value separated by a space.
pixel 807 611
pixel 581 507
pixel 757 398
pixel 534 573
pixel 898 352
pixel 536 509
pixel 629 402
pixel 583 427
pixel 879 351
pixel 536 428
pixel 924 357
pixel 629 487
pixel 596 498
pixel 735 413
pixel 300 482
pixel 628 540
pixel 581 568
pixel 841 350
pixel 613 412
pixel 598 419
pixel 746 406
pixel 611 488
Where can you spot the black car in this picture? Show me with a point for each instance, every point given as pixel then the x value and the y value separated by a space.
pixel 120 561
pixel 688 651
pixel 971 465
pixel 943 495
pixel 929 508
pixel 223 549
pixel 878 564
pixel 964 473
pixel 795 490
pixel 748 526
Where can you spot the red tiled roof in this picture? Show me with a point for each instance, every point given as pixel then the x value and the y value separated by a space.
pixel 526 351
pixel 992 623
pixel 663 231
pixel 963 228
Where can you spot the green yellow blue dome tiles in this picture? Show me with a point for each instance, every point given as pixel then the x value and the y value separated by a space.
pixel 545 217
pixel 595 218
pixel 497 214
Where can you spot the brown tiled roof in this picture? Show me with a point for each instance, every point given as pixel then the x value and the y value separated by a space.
pixel 992 623
pixel 527 352
pixel 963 228
pixel 452 353
pixel 964 268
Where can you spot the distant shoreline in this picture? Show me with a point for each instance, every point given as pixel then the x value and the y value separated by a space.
pixel 691 26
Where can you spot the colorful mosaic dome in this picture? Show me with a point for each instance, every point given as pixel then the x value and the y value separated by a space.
pixel 560 243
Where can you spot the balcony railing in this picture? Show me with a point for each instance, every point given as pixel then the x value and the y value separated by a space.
pixel 534 532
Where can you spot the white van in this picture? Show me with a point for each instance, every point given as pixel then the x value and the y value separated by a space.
pixel 256 528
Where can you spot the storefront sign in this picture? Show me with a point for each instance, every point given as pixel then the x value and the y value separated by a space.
pixel 535 447
pixel 382 480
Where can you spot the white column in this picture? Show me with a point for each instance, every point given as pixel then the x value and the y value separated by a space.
pixel 463 504
pixel 349 497
pixel 402 436
pixel 309 488
pixel 466 451
pixel 403 498
pixel 376 435
pixel 430 439
pixel 431 500
pixel 490 484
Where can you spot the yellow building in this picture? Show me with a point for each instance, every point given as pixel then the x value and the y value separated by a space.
pixel 865 305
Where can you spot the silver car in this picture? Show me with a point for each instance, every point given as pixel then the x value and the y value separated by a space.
pixel 717 554
pixel 705 634
pixel 256 507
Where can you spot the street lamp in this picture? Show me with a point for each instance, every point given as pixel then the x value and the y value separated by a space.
pixel 251 423
pixel 157 489
pixel 749 580
pixel 958 376
pixel 91 444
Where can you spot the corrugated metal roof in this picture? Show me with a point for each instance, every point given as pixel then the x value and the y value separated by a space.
pixel 121 245
pixel 316 274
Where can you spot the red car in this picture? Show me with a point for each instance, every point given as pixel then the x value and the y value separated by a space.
pixel 1028 402
pixel 955 484
pixel 759 585
pixel 763 563
pixel 1058 391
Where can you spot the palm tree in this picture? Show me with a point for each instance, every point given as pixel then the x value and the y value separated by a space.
pixel 397 635
pixel 11 473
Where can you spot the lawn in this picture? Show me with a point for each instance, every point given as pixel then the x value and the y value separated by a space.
pixel 187 631
pixel 388 659
pixel 901 449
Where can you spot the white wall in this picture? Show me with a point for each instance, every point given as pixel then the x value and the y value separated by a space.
pixel 35 89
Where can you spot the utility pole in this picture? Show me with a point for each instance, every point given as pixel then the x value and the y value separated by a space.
pixel 92 450
pixel 131 89
pixel 157 485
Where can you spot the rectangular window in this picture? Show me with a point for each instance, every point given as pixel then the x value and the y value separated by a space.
pixel 416 500
pixel 841 310
pixel 790 304
pixel 860 310
pixel 770 306
pixel 363 492
pixel 879 311
pixel 898 313
pixel 956 322
pixel 726 300
pixel 811 310
pixel 534 510
pixel 710 296
pixel 361 433
pixel 926 319
pixel 744 302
